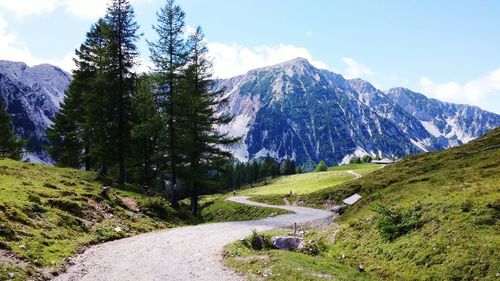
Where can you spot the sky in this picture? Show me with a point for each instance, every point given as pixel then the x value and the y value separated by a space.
pixel 449 50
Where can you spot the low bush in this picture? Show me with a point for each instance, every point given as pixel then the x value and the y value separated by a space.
pixel 157 207
pixel 395 223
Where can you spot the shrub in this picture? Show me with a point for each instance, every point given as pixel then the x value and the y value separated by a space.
pixel 258 242
pixel 395 223
pixel 157 207
pixel 313 247
pixel 321 167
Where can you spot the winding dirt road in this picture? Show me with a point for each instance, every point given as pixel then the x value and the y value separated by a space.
pixel 356 175
pixel 184 253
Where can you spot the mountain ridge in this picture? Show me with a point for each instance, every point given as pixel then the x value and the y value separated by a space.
pixel 33 96
pixel 287 83
pixel 287 110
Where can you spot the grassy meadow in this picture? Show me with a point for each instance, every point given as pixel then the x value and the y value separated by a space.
pixel 48 214
pixel 434 216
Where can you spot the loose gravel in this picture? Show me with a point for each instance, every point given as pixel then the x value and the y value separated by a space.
pixel 183 253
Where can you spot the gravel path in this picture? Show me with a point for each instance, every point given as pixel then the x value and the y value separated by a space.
pixel 356 175
pixel 184 253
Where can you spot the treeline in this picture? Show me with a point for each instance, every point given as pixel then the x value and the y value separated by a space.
pixel 259 170
pixel 156 129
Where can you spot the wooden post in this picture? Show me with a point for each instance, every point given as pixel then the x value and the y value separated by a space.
pixel 294 229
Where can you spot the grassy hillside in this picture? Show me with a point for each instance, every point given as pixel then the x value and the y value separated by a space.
pixel 48 214
pixel 431 217
pixel 275 190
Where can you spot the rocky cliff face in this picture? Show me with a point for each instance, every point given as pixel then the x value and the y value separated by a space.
pixel 32 96
pixel 290 110
pixel 294 110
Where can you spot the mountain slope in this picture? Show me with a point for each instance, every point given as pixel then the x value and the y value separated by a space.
pixel 294 110
pixel 458 123
pixel 289 110
pixel 32 96
pixel 49 214
pixel 442 220
pixel 454 196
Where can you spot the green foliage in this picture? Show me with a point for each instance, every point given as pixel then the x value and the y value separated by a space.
pixel 321 167
pixel 395 223
pixel 239 174
pixel 272 264
pixel 366 159
pixel 258 241
pixel 355 160
pixel 287 167
pixel 450 234
pixel 10 146
pixel 313 247
pixel 92 126
pixel 219 210
pixel 47 213
pixel 158 207
pixel 305 183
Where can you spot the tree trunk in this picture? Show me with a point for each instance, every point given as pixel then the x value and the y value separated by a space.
pixel 194 199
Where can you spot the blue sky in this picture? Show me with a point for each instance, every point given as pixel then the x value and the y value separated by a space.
pixel 445 49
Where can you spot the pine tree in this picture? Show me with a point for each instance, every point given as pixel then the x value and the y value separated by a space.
pixel 198 121
pixel 168 54
pixel 321 167
pixel 123 52
pixel 80 133
pixel 10 146
pixel 146 131
pixel 65 134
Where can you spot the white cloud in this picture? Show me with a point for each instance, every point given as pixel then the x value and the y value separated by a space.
pixel 91 9
pixel 309 33
pixel 29 7
pixel 355 69
pixel 483 91
pixel 86 9
pixel 234 59
pixel 13 49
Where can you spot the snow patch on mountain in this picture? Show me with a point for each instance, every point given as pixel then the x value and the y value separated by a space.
pixel 359 152
pixel 431 128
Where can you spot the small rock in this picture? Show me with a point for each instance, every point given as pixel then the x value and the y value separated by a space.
pixel 338 209
pixel 11 275
pixel 105 191
pixel 343 257
pixel 361 268
pixel 287 243
pixel 118 229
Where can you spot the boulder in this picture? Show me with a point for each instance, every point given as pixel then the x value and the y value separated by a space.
pixel 287 243
pixel 338 209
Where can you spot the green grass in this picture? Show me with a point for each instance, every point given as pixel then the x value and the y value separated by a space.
pixel 279 188
pixel 362 169
pixel 451 232
pixel 219 210
pixel 308 182
pixel 270 264
pixel 48 214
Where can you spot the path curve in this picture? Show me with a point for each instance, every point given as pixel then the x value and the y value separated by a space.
pixel 356 175
pixel 183 253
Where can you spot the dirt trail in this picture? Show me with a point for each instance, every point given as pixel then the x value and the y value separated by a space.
pixel 184 253
pixel 357 176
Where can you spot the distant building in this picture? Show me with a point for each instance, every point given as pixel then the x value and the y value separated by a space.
pixel 352 199
pixel 382 161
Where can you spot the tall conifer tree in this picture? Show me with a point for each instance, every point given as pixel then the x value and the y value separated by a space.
pixel 123 52
pixel 169 57
pixel 10 146
pixel 198 122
